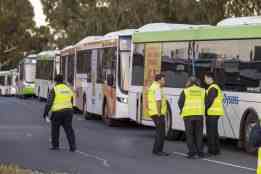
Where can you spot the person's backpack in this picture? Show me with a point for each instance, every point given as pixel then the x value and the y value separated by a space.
pixel 255 136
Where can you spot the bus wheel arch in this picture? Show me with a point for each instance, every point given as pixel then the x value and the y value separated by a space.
pixel 249 119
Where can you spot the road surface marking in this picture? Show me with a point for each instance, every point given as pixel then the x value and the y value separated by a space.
pixel 104 161
pixel 220 162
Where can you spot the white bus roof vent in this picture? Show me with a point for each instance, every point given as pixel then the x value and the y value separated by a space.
pixel 234 21
pixel 152 27
pixel 126 32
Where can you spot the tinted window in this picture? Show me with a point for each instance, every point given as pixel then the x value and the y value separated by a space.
pixel 71 69
pixel 235 63
pixel 138 66
pixel 176 64
pixel 100 78
pixel 44 69
pixel 2 80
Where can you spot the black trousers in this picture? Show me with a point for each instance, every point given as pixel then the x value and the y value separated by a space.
pixel 62 118
pixel 212 134
pixel 160 133
pixel 194 135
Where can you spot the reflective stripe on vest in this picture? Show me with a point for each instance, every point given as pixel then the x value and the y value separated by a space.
pixel 258 170
pixel 194 102
pixel 152 103
pixel 216 109
pixel 63 96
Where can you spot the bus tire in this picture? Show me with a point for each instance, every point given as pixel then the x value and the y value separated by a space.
pixel 105 117
pixel 250 122
pixel 170 133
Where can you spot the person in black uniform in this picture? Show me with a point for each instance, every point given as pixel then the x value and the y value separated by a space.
pixel 60 102
pixel 192 106
pixel 214 110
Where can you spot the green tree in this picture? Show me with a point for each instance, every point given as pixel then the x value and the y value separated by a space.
pixel 16 23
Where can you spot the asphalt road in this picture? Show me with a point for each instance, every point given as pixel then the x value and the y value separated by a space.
pixel 24 140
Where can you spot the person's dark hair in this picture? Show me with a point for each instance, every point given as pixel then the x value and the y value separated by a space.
pixel 192 81
pixel 58 78
pixel 159 77
pixel 210 74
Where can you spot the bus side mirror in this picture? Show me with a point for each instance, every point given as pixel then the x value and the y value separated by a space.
pixel 110 80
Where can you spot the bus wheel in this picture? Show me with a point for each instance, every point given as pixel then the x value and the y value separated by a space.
pixel 170 133
pixel 107 120
pixel 250 122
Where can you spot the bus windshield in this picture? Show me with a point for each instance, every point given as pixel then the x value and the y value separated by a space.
pixel 124 70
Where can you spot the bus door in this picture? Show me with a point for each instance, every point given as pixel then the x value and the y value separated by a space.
pixel 152 67
pixel 91 85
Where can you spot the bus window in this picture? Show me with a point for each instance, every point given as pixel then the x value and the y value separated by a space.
pixel 124 67
pixel 109 63
pixel 71 69
pixel 63 65
pixel 175 64
pixel 138 66
pixel 44 69
pixel 100 77
pixel 235 63
pixel 2 80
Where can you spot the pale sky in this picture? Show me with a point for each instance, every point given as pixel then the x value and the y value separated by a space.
pixel 38 12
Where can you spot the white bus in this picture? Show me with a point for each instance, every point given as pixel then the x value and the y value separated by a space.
pixel 107 72
pixel 26 75
pixel 233 53
pixel 46 68
pixel 82 67
pixel 8 82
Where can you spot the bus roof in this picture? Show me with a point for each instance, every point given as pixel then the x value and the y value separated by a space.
pixel 68 50
pixel 87 42
pixel 199 33
pixel 249 20
pixel 152 27
pixel 48 55
pixel 116 34
pixel 31 56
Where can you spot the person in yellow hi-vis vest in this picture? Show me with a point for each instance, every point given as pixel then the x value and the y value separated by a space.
pixel 214 110
pixel 60 102
pixel 157 109
pixel 192 106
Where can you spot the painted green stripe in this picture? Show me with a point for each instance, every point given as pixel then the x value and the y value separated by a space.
pixel 210 33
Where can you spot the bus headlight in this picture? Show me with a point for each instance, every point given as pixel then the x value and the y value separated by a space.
pixel 122 100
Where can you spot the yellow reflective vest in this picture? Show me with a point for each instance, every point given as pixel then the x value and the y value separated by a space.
pixel 194 102
pixel 216 109
pixel 152 103
pixel 258 170
pixel 63 98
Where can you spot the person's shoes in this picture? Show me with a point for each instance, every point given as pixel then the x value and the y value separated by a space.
pixel 201 155
pixel 161 153
pixel 191 156
pixel 165 154
pixel 72 149
pixel 54 148
pixel 213 153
